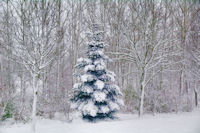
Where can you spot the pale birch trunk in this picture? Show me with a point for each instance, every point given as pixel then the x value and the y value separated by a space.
pixel 142 83
pixel 35 93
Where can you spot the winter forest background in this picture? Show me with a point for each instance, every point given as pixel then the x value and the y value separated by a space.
pixel 154 47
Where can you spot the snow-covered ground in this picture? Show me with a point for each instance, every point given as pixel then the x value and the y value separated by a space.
pixel 128 123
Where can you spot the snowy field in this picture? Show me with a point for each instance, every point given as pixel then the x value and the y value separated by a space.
pixel 128 123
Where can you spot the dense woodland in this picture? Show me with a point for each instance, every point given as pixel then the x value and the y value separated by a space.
pixel 154 47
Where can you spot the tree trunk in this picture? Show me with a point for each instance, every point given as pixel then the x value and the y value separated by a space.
pixel 142 93
pixel 34 106
pixel 196 94
pixel 141 101
pixel 196 98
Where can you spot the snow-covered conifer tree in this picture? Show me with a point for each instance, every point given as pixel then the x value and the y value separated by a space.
pixel 96 96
